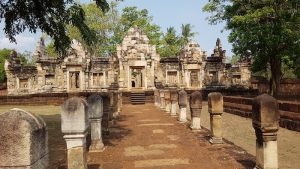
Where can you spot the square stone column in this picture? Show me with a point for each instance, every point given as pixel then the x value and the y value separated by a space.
pixel 215 109
pixel 265 117
pixel 74 125
pixel 196 107
pixel 168 101
pixel 174 102
pixel 95 111
pixel 162 99
pixel 156 96
pixel 182 101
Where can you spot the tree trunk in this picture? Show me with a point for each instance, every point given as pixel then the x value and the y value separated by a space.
pixel 275 76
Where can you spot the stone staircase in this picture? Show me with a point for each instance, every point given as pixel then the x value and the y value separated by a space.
pixel 137 97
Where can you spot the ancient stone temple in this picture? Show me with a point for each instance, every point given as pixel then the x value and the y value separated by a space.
pixel 75 73
pixel 137 61
pixel 136 66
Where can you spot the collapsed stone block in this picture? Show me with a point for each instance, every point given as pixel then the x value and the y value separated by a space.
pixel 74 125
pixel 23 140
pixel 265 118
pixel 182 101
pixel 215 109
pixel 95 111
pixel 196 107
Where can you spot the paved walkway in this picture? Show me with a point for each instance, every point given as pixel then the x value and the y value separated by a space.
pixel 146 137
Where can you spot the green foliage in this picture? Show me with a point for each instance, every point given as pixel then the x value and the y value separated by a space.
pixel 186 34
pixel 234 59
pixel 4 54
pixel 104 26
pixel 49 16
pixel 171 44
pixel 266 30
pixel 131 16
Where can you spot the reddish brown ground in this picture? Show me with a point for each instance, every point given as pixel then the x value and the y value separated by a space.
pixel 188 149
pixel 130 145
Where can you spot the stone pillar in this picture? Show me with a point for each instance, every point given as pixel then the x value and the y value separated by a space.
pixel 158 98
pixel 182 106
pixel 120 104
pixel 162 99
pixel 155 97
pixel 95 111
pixel 23 141
pixel 168 101
pixel 196 107
pixel 265 117
pixel 74 125
pixel 174 102
pixel 215 109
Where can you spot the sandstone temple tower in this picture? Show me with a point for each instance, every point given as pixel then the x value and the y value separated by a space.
pixel 137 61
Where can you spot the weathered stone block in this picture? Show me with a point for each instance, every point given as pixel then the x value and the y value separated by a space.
pixel 23 140
pixel 196 104
pixel 182 99
pixel 265 117
pixel 74 118
pixel 95 110
pixel 215 103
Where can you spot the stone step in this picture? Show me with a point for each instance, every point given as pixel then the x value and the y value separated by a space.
pixel 137 97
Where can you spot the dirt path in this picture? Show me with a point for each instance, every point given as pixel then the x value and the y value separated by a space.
pixel 146 137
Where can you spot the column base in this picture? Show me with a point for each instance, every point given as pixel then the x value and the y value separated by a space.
pixel 97 147
pixel 195 124
pixel 215 140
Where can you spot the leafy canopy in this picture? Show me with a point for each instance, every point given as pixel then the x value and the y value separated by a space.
pixel 49 16
pixel 266 30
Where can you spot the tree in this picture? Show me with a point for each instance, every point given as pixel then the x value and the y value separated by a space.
pixel 4 54
pixel 49 16
pixel 186 34
pixel 131 16
pixel 171 44
pixel 266 30
pixel 104 25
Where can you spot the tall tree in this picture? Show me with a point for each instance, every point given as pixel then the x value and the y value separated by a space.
pixel 49 16
pixel 186 33
pixel 170 45
pixel 265 30
pixel 131 16
pixel 104 25
pixel 4 54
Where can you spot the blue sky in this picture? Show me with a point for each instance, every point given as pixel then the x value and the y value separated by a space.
pixel 165 13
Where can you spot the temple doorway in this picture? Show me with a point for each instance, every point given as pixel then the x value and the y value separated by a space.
pixel 137 77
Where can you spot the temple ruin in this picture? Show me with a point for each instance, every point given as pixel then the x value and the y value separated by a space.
pixel 137 66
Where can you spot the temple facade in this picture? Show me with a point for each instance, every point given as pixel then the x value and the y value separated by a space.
pixel 136 66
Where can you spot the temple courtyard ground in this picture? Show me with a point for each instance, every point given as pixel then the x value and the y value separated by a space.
pixel 145 137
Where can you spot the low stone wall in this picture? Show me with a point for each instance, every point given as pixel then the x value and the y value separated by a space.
pixel 242 106
pixel 289 88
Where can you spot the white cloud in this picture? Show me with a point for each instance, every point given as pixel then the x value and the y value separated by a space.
pixel 23 43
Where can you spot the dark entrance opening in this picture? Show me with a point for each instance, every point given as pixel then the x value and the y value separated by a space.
pixel 132 84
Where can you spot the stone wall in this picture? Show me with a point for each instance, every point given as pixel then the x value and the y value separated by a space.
pixel 242 106
pixel 289 88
